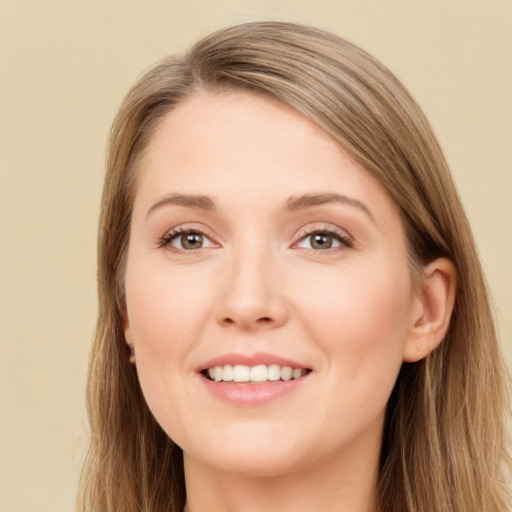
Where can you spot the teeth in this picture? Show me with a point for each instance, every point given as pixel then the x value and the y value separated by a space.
pixel 227 374
pixel 241 373
pixel 286 373
pixel 259 373
pixel 274 372
pixel 297 372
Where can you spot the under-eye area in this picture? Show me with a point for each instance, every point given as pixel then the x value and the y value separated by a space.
pixel 240 373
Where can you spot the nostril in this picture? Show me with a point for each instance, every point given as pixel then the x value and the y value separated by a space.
pixel 262 320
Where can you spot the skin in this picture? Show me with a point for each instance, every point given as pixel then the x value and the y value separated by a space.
pixel 258 284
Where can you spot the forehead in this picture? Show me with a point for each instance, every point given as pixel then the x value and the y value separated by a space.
pixel 228 124
pixel 216 143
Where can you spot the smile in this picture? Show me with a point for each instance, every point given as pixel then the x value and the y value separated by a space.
pixel 240 373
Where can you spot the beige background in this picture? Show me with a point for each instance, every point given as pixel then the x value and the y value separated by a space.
pixel 64 67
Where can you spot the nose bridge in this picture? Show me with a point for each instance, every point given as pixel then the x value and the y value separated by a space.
pixel 251 295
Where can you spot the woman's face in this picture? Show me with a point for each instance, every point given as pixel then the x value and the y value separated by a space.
pixel 259 247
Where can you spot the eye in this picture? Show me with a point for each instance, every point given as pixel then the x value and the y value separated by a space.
pixel 186 240
pixel 323 240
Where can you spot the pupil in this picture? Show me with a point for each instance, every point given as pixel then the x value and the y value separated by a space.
pixel 321 241
pixel 191 241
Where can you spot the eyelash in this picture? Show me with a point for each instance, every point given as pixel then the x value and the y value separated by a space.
pixel 170 236
pixel 345 241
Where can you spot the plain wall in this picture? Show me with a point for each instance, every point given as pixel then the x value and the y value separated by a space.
pixel 64 68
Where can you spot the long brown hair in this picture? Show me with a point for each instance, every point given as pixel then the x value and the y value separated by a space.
pixel 444 446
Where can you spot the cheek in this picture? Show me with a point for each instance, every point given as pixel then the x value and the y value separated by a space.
pixel 164 309
pixel 359 321
pixel 166 314
pixel 360 318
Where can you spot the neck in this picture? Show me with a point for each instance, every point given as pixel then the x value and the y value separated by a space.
pixel 340 482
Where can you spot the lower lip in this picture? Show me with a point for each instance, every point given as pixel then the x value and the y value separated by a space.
pixel 243 393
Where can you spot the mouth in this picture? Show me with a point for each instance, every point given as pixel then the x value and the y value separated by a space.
pixel 247 380
pixel 258 374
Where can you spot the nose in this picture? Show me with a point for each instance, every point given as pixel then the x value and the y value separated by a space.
pixel 252 294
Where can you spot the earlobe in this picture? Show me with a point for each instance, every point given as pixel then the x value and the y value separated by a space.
pixel 432 310
pixel 131 350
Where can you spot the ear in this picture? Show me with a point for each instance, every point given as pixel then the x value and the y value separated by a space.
pixel 432 309
pixel 128 336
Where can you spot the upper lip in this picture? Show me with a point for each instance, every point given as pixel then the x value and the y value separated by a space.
pixel 250 360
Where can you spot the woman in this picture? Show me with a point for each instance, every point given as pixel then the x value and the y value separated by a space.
pixel 292 310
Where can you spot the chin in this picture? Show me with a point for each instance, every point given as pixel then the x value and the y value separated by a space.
pixel 255 454
pixel 250 464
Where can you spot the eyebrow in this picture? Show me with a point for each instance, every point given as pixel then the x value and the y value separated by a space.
pixel 191 201
pixel 295 203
